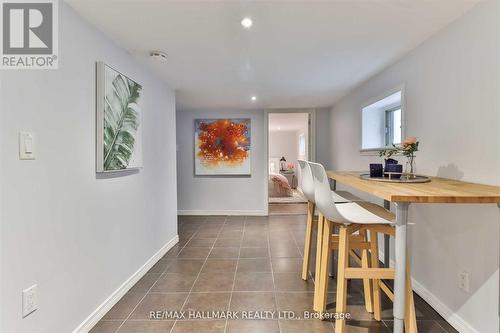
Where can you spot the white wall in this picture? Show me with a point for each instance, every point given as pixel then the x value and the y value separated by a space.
pixel 77 236
pixel 323 141
pixel 452 106
pixel 284 143
pixel 221 194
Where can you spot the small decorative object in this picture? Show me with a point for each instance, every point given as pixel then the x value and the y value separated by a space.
pixel 407 148
pixel 119 137
pixel 390 161
pixel 222 147
pixel 376 170
pixel 291 166
pixel 393 170
pixel 283 164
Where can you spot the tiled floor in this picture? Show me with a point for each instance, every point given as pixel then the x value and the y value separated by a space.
pixel 240 264
pixel 287 208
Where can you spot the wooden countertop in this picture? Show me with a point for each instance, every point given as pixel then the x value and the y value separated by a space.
pixel 438 190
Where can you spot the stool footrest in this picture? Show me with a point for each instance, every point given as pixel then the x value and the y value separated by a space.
pixel 369 273
pixel 386 290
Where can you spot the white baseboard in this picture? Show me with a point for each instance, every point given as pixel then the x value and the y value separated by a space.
pixel 444 311
pixel 223 212
pixel 98 313
pixel 451 317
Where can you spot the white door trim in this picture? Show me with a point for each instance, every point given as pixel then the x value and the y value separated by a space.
pixel 311 140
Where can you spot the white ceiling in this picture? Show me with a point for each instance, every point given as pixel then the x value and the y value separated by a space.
pixel 297 54
pixel 288 121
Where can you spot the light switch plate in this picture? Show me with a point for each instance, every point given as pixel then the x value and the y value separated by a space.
pixel 26 145
pixel 30 300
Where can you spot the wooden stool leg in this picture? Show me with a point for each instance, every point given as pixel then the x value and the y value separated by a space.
pixel 307 242
pixel 317 275
pixel 343 263
pixel 325 265
pixel 410 315
pixel 367 290
pixel 377 307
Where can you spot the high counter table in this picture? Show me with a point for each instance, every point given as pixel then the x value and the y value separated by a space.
pixel 438 190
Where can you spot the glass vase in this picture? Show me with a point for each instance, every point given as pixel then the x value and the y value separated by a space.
pixel 410 167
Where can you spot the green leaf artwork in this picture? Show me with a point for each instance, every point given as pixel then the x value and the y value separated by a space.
pixel 122 117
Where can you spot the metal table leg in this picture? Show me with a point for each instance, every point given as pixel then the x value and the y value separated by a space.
pixel 333 268
pixel 400 266
pixel 498 205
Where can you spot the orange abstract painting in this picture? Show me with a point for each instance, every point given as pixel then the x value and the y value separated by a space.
pixel 222 146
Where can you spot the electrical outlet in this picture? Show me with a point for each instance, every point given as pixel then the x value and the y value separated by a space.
pixel 463 281
pixel 30 300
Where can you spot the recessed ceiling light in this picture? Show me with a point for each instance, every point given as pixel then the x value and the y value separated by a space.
pixel 246 22
pixel 253 98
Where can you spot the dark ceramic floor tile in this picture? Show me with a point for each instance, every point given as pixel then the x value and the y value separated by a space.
pixel 124 307
pixel 252 326
pixel 199 326
pixel 292 282
pixel 227 242
pixel 158 302
pixel 302 326
pixel 235 219
pixel 220 266
pixel 254 241
pixel 194 253
pixel 231 233
pixel 145 283
pixel 191 218
pixel 160 266
pixel 173 252
pixel 285 251
pixel 201 242
pixel 254 252
pixel 216 219
pixel 225 252
pixel 366 327
pixel 256 219
pixel 253 301
pixel 207 302
pixel 207 233
pixel 174 282
pixel 214 282
pixel 296 302
pixel 106 327
pixel 423 326
pixel 254 282
pixel 185 266
pixel 254 265
pixel 146 326
pixel 287 265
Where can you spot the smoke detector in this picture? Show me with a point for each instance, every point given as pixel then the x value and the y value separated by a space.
pixel 158 55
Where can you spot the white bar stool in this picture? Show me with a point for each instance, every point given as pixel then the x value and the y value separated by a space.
pixel 306 183
pixel 353 217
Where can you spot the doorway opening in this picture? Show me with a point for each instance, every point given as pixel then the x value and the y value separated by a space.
pixel 289 139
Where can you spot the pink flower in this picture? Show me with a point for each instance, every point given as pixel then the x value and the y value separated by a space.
pixel 409 140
